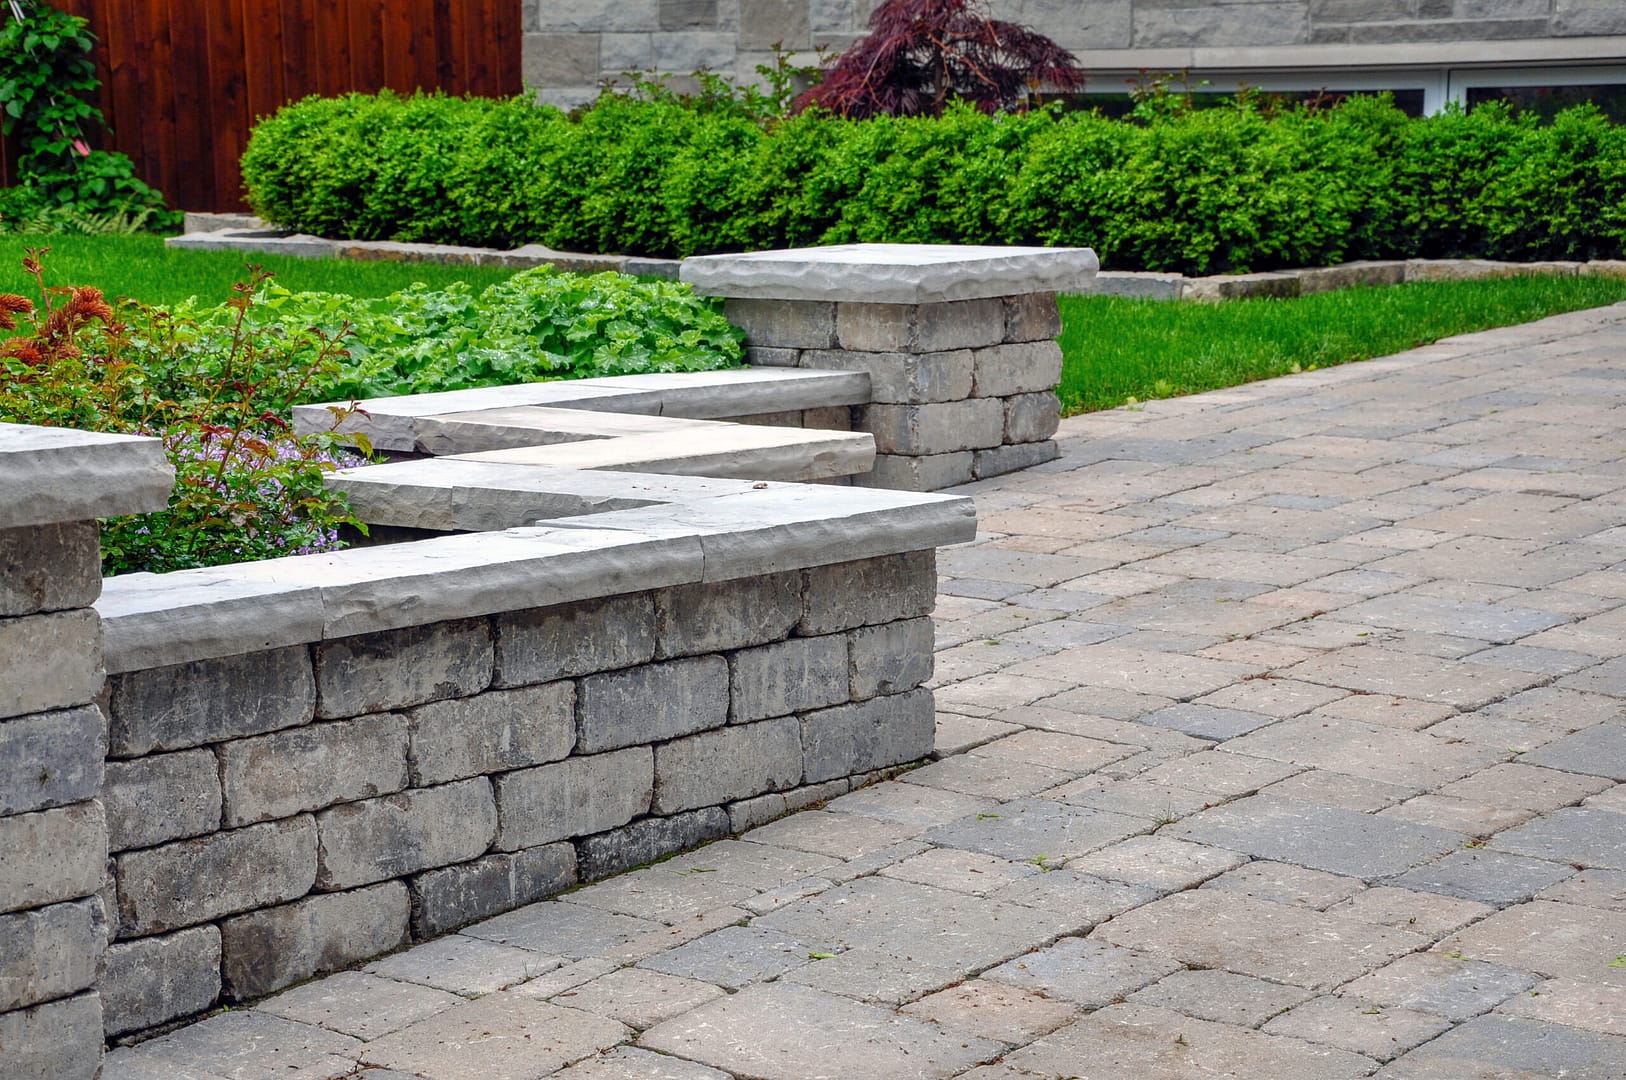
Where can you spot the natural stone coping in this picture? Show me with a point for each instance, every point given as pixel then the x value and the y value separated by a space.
pixel 1308 280
pixel 413 422
pixel 50 475
pixel 154 620
pixel 891 273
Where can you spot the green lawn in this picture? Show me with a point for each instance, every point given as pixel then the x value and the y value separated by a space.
pixel 140 266
pixel 1117 349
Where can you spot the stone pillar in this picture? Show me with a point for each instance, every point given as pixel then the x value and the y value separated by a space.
pixel 959 343
pixel 54 483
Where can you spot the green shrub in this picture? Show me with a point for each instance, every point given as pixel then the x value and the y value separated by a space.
pixel 1250 186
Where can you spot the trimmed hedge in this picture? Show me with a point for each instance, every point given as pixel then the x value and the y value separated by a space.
pixel 1203 191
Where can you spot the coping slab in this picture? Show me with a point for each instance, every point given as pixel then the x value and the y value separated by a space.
pixel 50 475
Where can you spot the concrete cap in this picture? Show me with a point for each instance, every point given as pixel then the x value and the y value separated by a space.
pixel 50 475
pixel 891 273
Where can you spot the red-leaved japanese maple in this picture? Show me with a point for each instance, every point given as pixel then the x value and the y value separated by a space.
pixel 922 54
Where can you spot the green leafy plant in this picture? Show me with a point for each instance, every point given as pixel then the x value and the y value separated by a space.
pixel 247 487
pixel 47 78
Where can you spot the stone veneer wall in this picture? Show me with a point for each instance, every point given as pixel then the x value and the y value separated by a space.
pixel 53 737
pixel 282 813
pixel 960 390
pixel 571 46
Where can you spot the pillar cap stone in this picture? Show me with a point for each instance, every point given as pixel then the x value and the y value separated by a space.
pixel 891 273
pixel 51 475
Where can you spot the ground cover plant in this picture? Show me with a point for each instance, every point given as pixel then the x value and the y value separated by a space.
pixel 1119 351
pixel 1250 186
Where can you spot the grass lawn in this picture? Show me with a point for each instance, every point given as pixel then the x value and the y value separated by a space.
pixel 1116 349
pixel 141 267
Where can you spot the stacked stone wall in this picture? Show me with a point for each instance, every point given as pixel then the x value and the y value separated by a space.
pixel 283 813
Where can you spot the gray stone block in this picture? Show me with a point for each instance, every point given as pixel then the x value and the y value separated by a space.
pixel 265 951
pixel 721 615
pixel 600 856
pixel 194 881
pixel 902 377
pixel 51 759
pixel 747 814
pixel 1243 286
pixel 788 676
pixel 58 1041
pixel 767 356
pixel 765 24
pixel 395 669
pixel 1019 368
pixel 959 324
pixel 492 732
pixel 1032 317
pixel 940 428
pixel 52 855
pixel 312 767
pixel 688 14
pixel 560 59
pixel 1004 459
pixel 1031 418
pixel 1575 18
pixel 154 980
pixel 829 418
pixel 890 658
pixel 650 703
pixel 49 952
pixel 171 708
pixel 454 896
pixel 872 734
pixel 689 51
pixel 50 661
pixel 933 472
pixel 784 324
pixel 574 797
pixel 1194 23
pixel 400 834
pixel 52 474
pixel 716 767
pixel 49 568
pixel 1328 278
pixel 162 797
pixel 844 596
pixel 545 644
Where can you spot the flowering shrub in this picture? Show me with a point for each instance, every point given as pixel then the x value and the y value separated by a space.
pixel 247 487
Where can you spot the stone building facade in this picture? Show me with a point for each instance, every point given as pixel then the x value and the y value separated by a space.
pixel 1431 51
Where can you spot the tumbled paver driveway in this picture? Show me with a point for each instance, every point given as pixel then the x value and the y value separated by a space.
pixel 1281 737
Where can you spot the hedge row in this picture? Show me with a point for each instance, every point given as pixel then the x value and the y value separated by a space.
pixel 1201 191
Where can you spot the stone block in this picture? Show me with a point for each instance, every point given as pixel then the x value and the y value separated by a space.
pixel 871 734
pixel 932 472
pixel 890 658
pixel 1010 458
pixel 162 797
pixel 593 15
pixel 599 857
pixel 574 797
pixel 959 324
pixel 395 669
pixel 1272 22
pixel 560 59
pixel 715 616
pixel 1243 286
pixel 454 896
pixel 51 759
pixel 766 24
pixel 50 661
pixel 767 356
pixel 844 596
pixel 716 767
pixel 650 703
pixel 902 377
pixel 941 428
pixel 58 1041
pixel 49 568
pixel 313 767
pixel 1345 275
pixel 829 418
pixel 1031 418
pixel 194 881
pixel 545 644
pixel 49 952
pixel 400 834
pixel 492 732
pixel 1019 368
pixel 788 676
pixel 689 51
pixel 172 708
pixel 1032 317
pixel 154 980
pixel 1575 18
pixel 52 855
pixel 265 951
pixel 784 324
pixel 688 14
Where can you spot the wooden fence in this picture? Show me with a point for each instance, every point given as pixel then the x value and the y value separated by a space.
pixel 183 80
